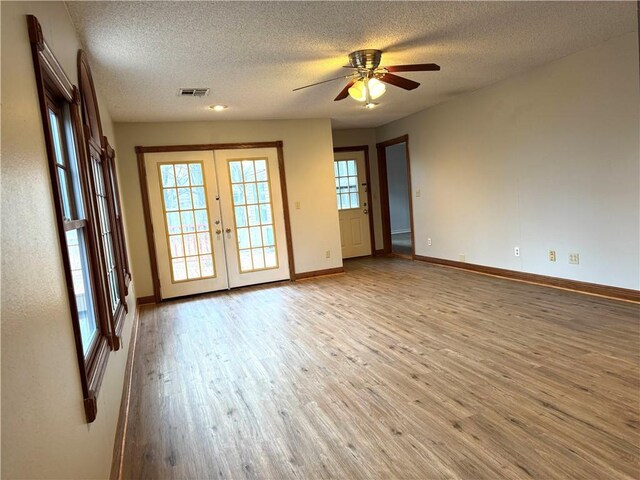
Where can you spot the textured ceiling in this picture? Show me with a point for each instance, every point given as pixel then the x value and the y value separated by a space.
pixel 252 54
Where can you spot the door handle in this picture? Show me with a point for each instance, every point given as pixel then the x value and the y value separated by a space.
pixel 227 230
pixel 218 231
pixel 365 211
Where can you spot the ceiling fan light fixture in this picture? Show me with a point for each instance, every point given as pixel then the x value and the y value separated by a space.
pixel 370 105
pixel 358 91
pixel 376 88
pixel 367 89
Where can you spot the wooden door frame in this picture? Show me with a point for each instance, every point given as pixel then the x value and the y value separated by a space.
pixel 384 192
pixel 142 174
pixel 365 149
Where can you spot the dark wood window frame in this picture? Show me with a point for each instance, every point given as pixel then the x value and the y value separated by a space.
pixel 119 222
pixel 56 93
pixel 78 159
pixel 103 193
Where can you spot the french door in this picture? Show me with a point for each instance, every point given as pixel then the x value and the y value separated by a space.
pixel 218 219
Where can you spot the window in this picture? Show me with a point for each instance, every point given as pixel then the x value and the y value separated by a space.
pixel 105 203
pixel 91 239
pixel 346 173
pixel 73 219
pixel 119 222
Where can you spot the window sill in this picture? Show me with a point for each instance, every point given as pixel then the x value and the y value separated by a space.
pixel 95 375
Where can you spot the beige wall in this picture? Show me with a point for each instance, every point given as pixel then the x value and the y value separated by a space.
pixel 308 157
pixel 365 136
pixel 44 432
pixel 548 159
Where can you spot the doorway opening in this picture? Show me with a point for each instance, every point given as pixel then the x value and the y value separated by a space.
pixel 395 187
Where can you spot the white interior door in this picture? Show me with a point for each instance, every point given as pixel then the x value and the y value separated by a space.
pixel 252 215
pixel 351 191
pixel 187 224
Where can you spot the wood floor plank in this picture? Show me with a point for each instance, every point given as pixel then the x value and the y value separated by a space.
pixel 395 369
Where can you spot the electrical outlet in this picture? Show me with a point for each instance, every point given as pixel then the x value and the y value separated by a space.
pixel 297 205
pixel 552 255
pixel 516 251
pixel 574 258
pixel 417 192
pixel 327 254
pixel 429 241
pixel 462 257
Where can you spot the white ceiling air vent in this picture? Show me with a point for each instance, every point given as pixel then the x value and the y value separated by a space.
pixel 193 92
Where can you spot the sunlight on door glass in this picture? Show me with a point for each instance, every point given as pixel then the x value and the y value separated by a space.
pixel 184 199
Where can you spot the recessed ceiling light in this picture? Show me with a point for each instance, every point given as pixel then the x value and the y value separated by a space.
pixel 218 108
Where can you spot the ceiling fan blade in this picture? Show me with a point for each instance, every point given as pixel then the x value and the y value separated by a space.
pixel 419 67
pixel 345 91
pixel 324 81
pixel 401 82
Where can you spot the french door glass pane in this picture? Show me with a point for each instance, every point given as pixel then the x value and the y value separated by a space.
pixel 176 246
pixel 261 170
pixel 182 174
pixel 255 233
pixel 270 257
pixel 198 197
pixel 170 199
pixel 206 264
pixel 187 221
pixel 81 287
pixel 202 220
pixel 178 269
pixel 195 173
pixel 168 177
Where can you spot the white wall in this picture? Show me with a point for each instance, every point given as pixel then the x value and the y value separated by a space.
pixel 44 431
pixel 365 136
pixel 399 216
pixel 308 158
pixel 548 159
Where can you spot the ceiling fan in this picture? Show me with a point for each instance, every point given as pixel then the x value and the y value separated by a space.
pixel 367 83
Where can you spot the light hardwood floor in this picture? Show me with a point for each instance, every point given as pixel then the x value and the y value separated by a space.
pixel 396 369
